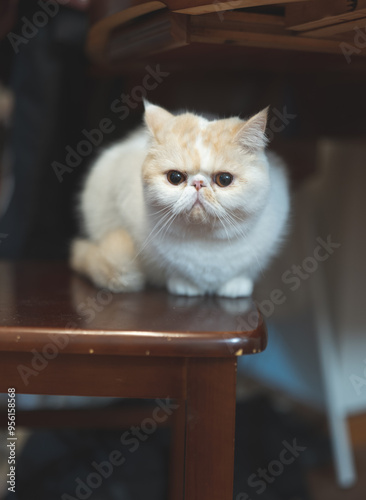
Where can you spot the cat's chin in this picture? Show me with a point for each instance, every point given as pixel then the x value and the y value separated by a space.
pixel 197 215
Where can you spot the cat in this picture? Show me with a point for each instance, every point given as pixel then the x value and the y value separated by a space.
pixel 184 202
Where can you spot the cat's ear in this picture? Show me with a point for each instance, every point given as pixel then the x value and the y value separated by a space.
pixel 155 118
pixel 252 135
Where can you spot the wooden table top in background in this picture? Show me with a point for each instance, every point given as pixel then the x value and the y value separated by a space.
pixel 125 35
pixel 41 299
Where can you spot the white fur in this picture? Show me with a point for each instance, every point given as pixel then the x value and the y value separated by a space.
pixel 189 258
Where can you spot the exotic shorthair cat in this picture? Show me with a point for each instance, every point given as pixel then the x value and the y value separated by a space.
pixel 184 202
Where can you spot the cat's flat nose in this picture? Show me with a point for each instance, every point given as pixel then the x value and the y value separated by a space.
pixel 197 184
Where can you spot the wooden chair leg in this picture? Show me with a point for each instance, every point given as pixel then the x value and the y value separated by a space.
pixel 210 429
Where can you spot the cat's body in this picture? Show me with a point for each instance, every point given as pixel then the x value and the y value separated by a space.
pixel 195 236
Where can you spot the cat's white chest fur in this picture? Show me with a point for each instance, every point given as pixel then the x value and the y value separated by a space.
pixel 191 204
pixel 196 266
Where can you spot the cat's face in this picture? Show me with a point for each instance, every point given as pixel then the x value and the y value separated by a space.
pixel 205 172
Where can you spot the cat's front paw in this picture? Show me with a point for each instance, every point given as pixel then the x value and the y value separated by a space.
pixel 237 287
pixel 180 286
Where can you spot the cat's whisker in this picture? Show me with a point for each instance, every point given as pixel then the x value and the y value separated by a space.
pixel 164 219
pixel 224 226
pixel 164 209
pixel 242 233
pixel 238 232
pixel 233 224
pixel 168 225
pixel 232 214
pixel 169 218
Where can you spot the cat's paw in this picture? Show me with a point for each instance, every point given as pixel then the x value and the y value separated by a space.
pixel 180 286
pixel 237 287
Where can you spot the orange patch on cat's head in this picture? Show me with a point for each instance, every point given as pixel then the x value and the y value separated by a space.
pixel 221 133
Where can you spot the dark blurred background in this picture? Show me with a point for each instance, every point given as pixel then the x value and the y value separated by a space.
pixel 53 95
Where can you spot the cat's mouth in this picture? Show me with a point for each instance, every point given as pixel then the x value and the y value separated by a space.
pixel 198 205
pixel 197 213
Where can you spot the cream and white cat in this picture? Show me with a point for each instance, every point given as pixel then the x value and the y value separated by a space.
pixel 184 202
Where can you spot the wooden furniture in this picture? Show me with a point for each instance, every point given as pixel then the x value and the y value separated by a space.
pixel 60 335
pixel 125 33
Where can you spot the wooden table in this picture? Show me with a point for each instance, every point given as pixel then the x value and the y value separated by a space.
pixel 126 34
pixel 60 335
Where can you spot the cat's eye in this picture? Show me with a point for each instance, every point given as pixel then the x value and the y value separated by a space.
pixel 175 177
pixel 223 179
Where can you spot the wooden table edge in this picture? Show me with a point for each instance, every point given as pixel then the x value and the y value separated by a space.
pixel 128 343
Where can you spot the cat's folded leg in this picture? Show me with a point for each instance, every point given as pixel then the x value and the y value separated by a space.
pixel 240 286
pixel 181 286
pixel 109 263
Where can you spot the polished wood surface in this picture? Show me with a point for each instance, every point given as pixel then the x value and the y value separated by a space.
pixel 60 335
pixel 82 418
pixel 89 375
pixel 211 439
pixel 39 299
